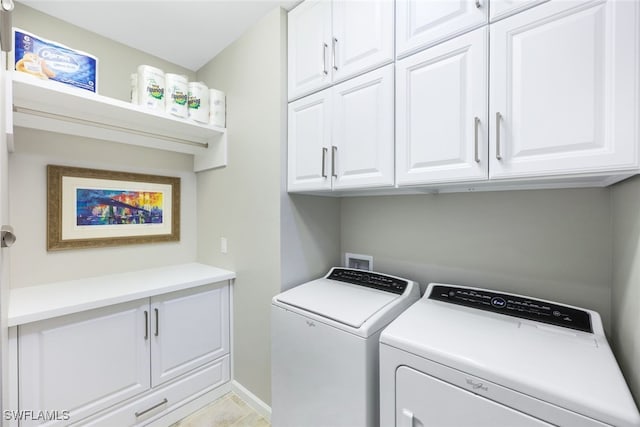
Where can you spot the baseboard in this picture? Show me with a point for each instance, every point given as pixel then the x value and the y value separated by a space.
pixel 252 400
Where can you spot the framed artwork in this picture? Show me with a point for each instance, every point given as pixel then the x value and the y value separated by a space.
pixel 97 208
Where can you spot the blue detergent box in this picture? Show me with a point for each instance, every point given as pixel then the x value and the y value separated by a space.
pixel 52 61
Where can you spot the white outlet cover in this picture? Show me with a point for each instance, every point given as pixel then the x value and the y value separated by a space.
pixel 359 261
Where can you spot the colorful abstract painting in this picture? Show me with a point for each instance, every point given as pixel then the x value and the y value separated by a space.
pixel 89 208
pixel 97 207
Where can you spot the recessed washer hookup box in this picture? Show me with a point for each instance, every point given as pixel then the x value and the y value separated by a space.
pixel 52 61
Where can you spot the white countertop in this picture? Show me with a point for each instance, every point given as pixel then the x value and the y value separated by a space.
pixel 41 302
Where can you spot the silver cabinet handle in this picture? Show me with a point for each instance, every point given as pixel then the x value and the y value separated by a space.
pixel 333 53
pixel 478 4
pixel 146 325
pixel 498 118
pixel 141 413
pixel 324 160
pixel 157 322
pixel 334 153
pixel 324 58
pixel 476 123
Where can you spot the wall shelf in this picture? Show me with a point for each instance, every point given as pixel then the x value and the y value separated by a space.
pixel 55 107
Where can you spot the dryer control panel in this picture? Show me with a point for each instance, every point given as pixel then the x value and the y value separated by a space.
pixel 369 280
pixel 513 305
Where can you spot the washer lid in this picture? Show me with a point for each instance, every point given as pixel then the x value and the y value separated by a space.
pixel 345 303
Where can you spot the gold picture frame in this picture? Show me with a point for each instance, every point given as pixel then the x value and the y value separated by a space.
pixel 90 208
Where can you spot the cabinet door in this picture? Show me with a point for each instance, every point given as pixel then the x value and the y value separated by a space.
pixel 423 23
pixel 564 90
pixel 84 362
pixel 362 36
pixel 503 8
pixel 309 142
pixel 441 112
pixel 188 329
pixel 362 151
pixel 309 46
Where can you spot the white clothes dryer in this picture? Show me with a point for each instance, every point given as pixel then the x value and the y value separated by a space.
pixel 324 347
pixel 466 356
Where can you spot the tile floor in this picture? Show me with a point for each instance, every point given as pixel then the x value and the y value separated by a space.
pixel 228 411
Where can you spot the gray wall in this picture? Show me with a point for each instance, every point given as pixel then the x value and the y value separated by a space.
pixel 552 244
pixel 274 240
pixel 625 198
pixel 116 61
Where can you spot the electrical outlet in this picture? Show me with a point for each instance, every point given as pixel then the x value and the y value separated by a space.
pixel 359 261
pixel 223 245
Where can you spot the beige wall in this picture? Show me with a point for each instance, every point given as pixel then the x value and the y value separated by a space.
pixel 28 201
pixel 116 61
pixel 553 244
pixel 274 240
pixel 35 149
pixel 241 202
pixel 625 198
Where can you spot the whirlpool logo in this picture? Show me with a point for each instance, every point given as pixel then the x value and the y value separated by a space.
pixel 59 61
pixel 476 385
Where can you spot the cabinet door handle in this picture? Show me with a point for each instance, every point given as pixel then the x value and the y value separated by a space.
pixel 146 325
pixel 478 4
pixel 406 419
pixel 157 321
pixel 476 123
pixel 498 119
pixel 334 153
pixel 324 58
pixel 157 405
pixel 333 53
pixel 324 160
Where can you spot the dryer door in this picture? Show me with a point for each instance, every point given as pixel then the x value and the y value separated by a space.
pixel 422 400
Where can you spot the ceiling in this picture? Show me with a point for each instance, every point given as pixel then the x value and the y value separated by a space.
pixel 153 26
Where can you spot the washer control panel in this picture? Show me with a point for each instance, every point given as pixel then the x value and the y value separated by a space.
pixel 369 280
pixel 512 305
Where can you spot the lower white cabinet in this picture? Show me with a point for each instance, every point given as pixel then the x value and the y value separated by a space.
pixel 146 355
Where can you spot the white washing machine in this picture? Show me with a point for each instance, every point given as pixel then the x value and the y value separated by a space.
pixel 324 347
pixel 472 357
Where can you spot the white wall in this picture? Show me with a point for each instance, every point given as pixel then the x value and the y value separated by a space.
pixel 553 244
pixel 625 198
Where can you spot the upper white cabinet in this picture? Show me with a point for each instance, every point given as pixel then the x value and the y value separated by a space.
pixel 309 40
pixel 502 8
pixel 362 138
pixel 309 142
pixel 564 90
pixel 441 124
pixel 342 137
pixel 423 23
pixel 330 41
